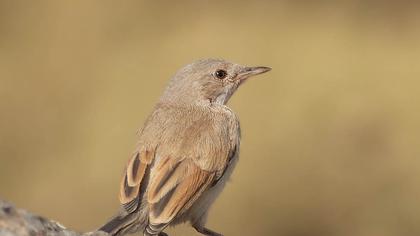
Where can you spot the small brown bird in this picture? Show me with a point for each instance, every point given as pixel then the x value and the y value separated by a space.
pixel 186 152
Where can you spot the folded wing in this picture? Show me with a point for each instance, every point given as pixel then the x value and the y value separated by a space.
pixel 134 182
pixel 174 186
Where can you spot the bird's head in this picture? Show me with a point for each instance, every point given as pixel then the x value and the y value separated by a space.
pixel 208 81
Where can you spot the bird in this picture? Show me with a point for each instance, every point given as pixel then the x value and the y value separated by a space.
pixel 186 151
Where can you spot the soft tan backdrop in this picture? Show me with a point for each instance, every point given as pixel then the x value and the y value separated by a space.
pixel 331 136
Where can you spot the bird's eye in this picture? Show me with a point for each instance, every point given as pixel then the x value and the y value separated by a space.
pixel 220 74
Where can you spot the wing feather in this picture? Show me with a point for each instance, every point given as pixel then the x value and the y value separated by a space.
pixel 174 189
pixel 136 174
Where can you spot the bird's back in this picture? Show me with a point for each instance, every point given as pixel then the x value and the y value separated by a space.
pixel 206 134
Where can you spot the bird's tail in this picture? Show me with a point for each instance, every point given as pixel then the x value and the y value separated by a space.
pixel 114 225
pixel 121 225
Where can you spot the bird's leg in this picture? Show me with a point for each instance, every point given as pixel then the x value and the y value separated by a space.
pixel 205 231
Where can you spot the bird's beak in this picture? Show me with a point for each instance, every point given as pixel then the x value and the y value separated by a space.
pixel 251 71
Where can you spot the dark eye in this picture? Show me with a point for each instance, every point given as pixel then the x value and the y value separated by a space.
pixel 220 74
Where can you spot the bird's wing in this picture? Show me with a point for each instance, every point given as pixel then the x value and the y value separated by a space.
pixel 174 186
pixel 133 188
pixel 135 179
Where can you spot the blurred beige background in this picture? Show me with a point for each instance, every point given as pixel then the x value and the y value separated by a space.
pixel 331 136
